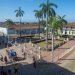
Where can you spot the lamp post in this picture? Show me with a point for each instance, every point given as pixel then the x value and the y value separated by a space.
pixel 15 37
pixel 39 52
pixel 7 37
pixel 25 44
pixel 30 35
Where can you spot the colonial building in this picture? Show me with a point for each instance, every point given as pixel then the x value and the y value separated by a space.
pixel 69 29
pixel 23 30
pixel 30 29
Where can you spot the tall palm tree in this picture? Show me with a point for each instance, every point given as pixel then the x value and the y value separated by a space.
pixel 56 23
pixel 62 20
pixel 8 23
pixel 43 23
pixel 38 15
pixel 19 13
pixel 48 12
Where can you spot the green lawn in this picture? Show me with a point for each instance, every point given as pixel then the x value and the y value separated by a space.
pixel 43 43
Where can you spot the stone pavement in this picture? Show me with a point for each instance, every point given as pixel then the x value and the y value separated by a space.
pixel 58 52
pixel 26 66
pixel 31 50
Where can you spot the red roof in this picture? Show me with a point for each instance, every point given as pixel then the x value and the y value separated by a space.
pixel 70 25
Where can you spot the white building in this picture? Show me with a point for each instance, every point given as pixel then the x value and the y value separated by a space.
pixel 28 29
pixel 69 29
pixel 31 29
pixel 4 30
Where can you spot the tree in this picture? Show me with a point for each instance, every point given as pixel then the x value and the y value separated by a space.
pixel 43 23
pixel 19 13
pixel 38 15
pixel 48 12
pixel 62 21
pixel 9 23
pixel 56 23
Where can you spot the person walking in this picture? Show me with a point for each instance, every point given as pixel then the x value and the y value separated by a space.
pixel 34 62
pixel 16 69
pixel 5 59
pixel 22 50
pixel 2 71
pixel 9 71
pixel 24 55
pixel 1 58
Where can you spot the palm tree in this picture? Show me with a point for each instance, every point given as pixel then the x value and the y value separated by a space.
pixel 19 13
pixel 8 23
pixel 56 23
pixel 62 21
pixel 48 12
pixel 38 15
pixel 43 23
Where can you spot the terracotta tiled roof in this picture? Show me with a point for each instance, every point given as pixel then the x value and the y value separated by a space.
pixel 70 25
pixel 26 26
pixel 23 26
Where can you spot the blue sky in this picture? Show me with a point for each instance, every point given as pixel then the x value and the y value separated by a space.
pixel 7 7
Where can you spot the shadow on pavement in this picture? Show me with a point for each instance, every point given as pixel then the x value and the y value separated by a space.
pixel 42 68
pixel 66 59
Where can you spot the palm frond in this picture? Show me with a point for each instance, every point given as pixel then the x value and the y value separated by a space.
pixel 19 12
pixel 16 11
pixel 53 13
pixel 53 5
pixel 43 5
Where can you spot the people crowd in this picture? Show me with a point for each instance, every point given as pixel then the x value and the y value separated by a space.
pixel 15 70
pixel 9 71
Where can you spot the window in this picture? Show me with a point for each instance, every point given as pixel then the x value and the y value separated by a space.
pixel 11 31
pixel 71 27
pixel 72 32
pixel 69 32
pixel 65 32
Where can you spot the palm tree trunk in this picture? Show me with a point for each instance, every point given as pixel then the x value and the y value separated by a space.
pixel 42 17
pixel 47 29
pixel 20 26
pixel 39 27
pixel 52 45
pixel 47 33
pixel 15 37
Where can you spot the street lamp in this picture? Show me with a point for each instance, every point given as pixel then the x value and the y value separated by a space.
pixel 7 38
pixel 39 52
